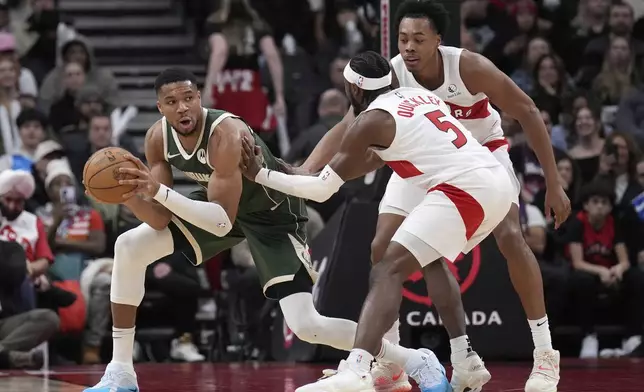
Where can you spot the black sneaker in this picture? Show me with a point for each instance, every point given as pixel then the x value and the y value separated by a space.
pixel 26 360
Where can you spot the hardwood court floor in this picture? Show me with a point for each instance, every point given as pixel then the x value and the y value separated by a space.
pixel 577 376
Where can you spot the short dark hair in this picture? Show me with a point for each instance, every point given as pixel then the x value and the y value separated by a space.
pixel 598 188
pixel 432 10
pixel 370 65
pixel 29 115
pixel 174 75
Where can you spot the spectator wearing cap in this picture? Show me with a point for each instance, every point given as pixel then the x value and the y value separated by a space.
pixel 601 265
pixel 63 111
pixel 77 234
pixel 32 126
pixel 45 152
pixel 78 51
pixel 23 227
pixel 21 329
pixel 27 84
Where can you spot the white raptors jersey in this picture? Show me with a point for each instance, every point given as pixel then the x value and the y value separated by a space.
pixel 430 147
pixel 474 111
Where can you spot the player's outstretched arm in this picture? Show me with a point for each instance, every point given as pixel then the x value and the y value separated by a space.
pixel 353 160
pixel 481 75
pixel 218 214
pixel 328 146
pixel 147 209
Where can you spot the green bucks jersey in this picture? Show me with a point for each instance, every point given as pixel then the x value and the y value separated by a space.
pixel 196 165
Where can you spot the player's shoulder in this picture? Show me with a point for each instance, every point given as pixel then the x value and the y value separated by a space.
pixel 474 62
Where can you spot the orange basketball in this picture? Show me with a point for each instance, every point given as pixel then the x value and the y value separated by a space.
pixel 101 175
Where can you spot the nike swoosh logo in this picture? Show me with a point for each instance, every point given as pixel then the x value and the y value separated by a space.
pixel 540 324
pixel 545 369
pixel 277 205
pixel 170 157
pixel 396 378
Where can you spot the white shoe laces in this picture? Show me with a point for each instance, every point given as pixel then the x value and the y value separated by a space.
pixel 545 359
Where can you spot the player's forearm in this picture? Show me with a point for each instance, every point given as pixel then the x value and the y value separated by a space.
pixel 208 216
pixel 154 214
pixel 537 135
pixel 276 70
pixel 327 147
pixel 317 188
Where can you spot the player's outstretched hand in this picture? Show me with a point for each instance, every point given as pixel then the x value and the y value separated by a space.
pixel 557 201
pixel 145 183
pixel 252 159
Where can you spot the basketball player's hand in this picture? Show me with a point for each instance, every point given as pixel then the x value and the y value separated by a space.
pixel 145 183
pixel 557 201
pixel 252 159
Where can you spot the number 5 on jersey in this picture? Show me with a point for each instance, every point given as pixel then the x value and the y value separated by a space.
pixel 438 118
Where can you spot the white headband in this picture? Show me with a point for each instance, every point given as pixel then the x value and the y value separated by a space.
pixel 366 83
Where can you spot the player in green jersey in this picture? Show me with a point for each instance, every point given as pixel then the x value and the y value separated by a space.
pixel 206 145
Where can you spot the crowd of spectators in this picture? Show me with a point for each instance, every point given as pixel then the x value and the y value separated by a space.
pixel 279 65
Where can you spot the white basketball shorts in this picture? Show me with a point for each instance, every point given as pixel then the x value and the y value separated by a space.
pixel 454 217
pixel 401 197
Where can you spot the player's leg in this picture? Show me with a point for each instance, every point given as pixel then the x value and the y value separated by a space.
pixel 399 200
pixel 134 250
pixel 278 245
pixel 525 275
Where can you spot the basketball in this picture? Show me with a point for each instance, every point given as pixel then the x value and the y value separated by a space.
pixel 101 175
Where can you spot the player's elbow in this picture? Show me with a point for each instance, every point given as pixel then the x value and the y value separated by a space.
pixel 159 221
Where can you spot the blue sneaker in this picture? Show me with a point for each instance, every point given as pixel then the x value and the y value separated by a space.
pixel 117 378
pixel 428 372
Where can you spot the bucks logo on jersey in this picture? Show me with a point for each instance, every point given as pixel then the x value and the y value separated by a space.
pixel 196 165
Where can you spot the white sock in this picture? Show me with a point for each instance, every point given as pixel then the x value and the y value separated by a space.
pixel 123 345
pixel 394 353
pixel 460 348
pixel 541 334
pixel 360 360
pixel 393 335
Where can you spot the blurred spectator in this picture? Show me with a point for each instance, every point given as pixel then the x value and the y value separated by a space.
pixel 617 74
pixel 63 111
pixel 551 82
pixel 570 181
pixel 557 135
pixel 640 172
pixel 26 80
pixel 233 82
pixel 46 151
pixel 21 330
pixel 523 76
pixel 20 226
pixel 77 234
pixel 588 143
pixel 620 24
pixel 485 22
pixel 32 126
pixel 331 109
pixel 9 106
pixel 39 36
pixel 97 136
pixel 506 50
pixel 618 168
pixel 78 51
pixel 336 70
pixel 630 115
pixel 601 266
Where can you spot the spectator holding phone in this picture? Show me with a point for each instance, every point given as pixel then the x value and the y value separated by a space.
pixel 601 265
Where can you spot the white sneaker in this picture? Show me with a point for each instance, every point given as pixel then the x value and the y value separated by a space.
pixel 589 347
pixel 389 377
pixel 629 345
pixel 184 350
pixel 545 372
pixel 471 373
pixel 345 379
pixel 117 378
pixel 428 372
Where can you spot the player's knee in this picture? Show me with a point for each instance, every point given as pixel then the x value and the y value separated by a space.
pixel 307 329
pixel 390 270
pixel 508 234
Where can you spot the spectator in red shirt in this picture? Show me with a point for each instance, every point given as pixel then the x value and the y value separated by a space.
pixel 601 266
pixel 23 227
